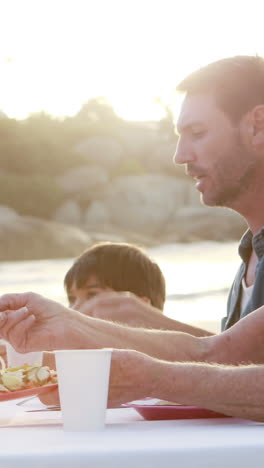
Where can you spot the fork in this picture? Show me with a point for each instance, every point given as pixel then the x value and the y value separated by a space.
pixel 20 403
pixel 49 408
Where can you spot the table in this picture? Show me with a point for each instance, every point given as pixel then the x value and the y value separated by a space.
pixel 37 440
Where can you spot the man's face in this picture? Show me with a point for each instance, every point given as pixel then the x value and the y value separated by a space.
pixel 214 152
pixel 78 296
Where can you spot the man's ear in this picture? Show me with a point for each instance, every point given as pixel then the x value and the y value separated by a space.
pixel 257 116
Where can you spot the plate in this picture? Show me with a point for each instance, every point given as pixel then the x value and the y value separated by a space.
pixel 27 392
pixel 162 412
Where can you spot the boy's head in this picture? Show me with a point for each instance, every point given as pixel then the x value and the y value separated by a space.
pixel 114 267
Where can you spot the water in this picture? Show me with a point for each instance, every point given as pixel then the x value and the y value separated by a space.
pixel 198 277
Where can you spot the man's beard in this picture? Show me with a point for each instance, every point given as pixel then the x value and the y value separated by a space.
pixel 236 182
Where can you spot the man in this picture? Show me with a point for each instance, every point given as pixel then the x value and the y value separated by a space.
pixel 31 322
pixel 221 143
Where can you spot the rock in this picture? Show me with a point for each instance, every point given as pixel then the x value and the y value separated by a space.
pixel 144 203
pixel 97 215
pixel 115 234
pixel 204 223
pixel 7 215
pixel 27 238
pixel 107 237
pixel 83 182
pixel 160 159
pixel 101 150
pixel 68 213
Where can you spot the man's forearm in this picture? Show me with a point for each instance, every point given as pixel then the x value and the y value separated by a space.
pixel 162 322
pixel 167 345
pixel 133 312
pixel 235 391
pixel 241 344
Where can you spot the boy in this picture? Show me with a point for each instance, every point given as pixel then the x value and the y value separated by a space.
pixel 114 267
pixel 108 267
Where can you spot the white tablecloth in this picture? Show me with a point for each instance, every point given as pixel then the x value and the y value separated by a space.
pixel 37 440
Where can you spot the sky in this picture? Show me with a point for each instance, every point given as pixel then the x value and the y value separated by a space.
pixel 56 54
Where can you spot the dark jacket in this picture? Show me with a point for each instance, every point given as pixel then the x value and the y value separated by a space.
pixel 257 298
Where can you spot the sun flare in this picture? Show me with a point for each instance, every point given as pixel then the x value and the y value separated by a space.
pixel 57 54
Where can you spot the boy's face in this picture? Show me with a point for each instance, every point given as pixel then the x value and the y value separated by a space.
pixel 78 296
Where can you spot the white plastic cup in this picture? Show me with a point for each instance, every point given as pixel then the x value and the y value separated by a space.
pixel 15 359
pixel 83 378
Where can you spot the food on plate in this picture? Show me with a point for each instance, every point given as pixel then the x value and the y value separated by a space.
pixel 24 377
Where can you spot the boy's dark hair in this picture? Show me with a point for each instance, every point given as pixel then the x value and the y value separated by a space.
pixel 237 83
pixel 121 267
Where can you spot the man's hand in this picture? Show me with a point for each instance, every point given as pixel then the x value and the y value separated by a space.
pixel 50 398
pixel 3 352
pixel 127 309
pixel 132 377
pixel 124 308
pixel 31 322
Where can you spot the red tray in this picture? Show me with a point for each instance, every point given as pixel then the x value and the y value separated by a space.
pixel 162 412
pixel 27 392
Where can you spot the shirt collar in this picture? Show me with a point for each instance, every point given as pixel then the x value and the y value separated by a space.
pixel 248 242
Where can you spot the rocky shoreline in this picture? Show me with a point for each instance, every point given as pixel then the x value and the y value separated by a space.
pixel 99 179
pixel 30 238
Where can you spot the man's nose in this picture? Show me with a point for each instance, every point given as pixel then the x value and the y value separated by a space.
pixel 183 153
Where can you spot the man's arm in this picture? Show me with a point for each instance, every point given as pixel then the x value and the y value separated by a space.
pixel 128 309
pixel 242 343
pixel 235 391
pixel 33 323
pixel 175 325
pixel 40 324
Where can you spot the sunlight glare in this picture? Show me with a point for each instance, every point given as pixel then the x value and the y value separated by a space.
pixel 55 55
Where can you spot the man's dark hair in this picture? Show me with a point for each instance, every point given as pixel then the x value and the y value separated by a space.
pixel 237 83
pixel 121 267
